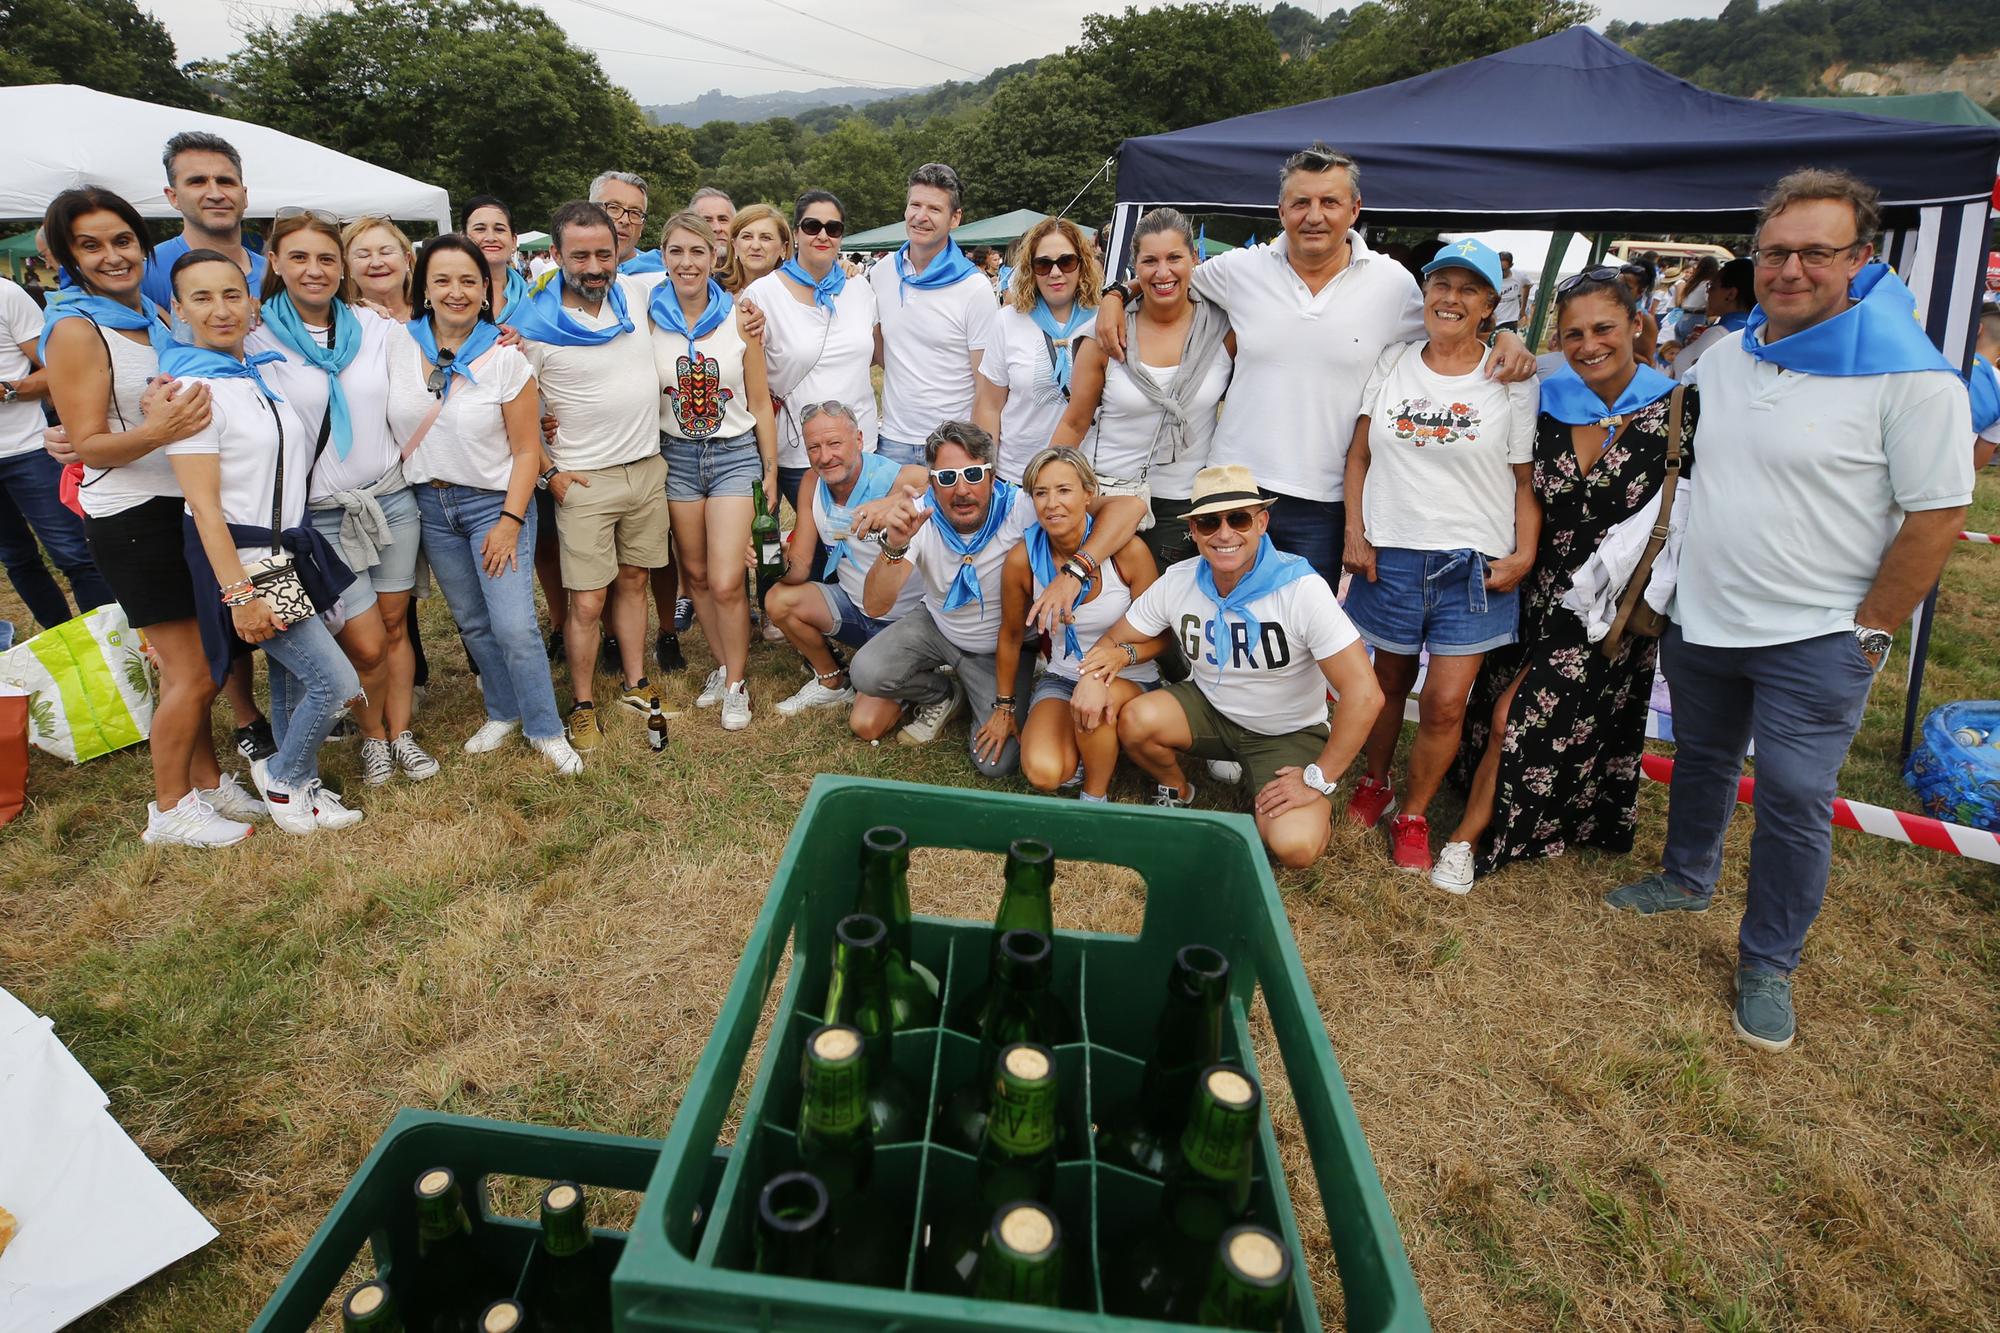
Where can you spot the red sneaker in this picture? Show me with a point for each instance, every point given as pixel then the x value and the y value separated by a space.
pixel 1371 800
pixel 1410 839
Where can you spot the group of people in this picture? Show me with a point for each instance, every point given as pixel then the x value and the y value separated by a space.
pixel 1098 519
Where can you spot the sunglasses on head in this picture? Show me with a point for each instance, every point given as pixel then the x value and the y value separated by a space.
pixel 1239 520
pixel 1064 263
pixel 441 376
pixel 1575 280
pixel 319 215
pixel 813 227
pixel 947 477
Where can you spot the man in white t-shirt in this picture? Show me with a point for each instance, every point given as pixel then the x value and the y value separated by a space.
pixel 1264 637
pixel 1515 293
pixel 29 478
pixel 1830 483
pixel 936 313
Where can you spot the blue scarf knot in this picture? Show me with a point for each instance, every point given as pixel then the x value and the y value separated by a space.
pixel 183 361
pixel 1568 399
pixel 1273 571
pixel 512 295
pixel 1042 560
pixel 965 584
pixel 282 318
pixel 823 289
pixel 1880 334
pixel 667 313
pixel 1734 320
pixel 1061 333
pixel 878 476
pixel 540 316
pixel 108 313
pixel 950 266
pixel 483 336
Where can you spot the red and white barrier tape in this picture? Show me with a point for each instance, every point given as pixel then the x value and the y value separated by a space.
pixel 1917 830
pixel 1993 537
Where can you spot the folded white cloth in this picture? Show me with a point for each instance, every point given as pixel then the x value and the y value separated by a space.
pixel 1595 586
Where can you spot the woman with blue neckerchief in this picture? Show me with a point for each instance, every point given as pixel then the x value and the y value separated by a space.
pixel 334 371
pixel 1024 376
pixel 489 224
pixel 1554 728
pixel 719 439
pixel 245 477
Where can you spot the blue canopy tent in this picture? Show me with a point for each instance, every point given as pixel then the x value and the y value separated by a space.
pixel 1574 133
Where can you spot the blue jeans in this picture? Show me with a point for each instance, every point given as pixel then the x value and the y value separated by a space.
pixel 902 455
pixel 29 508
pixel 496 616
pixel 1801 703
pixel 1315 529
pixel 311 679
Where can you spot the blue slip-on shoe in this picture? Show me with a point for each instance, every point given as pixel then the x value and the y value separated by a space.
pixel 1653 895
pixel 1764 1015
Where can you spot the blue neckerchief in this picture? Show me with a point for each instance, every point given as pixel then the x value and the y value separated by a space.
pixel 950 266
pixel 64 282
pixel 878 475
pixel 1985 395
pixel 1043 561
pixel 540 317
pixel 1567 398
pixel 667 313
pixel 823 289
pixel 965 584
pixel 1735 320
pixel 1060 334
pixel 182 360
pixel 108 313
pixel 1274 569
pixel 646 261
pixel 512 295
pixel 282 318
pixel 484 334
pixel 1878 335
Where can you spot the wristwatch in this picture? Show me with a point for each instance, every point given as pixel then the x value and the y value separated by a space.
pixel 1117 289
pixel 8 394
pixel 542 482
pixel 1317 781
pixel 1874 641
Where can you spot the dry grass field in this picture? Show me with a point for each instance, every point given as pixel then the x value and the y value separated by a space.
pixel 1568 1132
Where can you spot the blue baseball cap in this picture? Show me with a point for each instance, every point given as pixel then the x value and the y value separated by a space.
pixel 1468 253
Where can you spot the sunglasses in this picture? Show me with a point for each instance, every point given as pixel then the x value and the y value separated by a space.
pixel 832 406
pixel 813 227
pixel 950 476
pixel 438 378
pixel 319 215
pixel 1063 263
pixel 1239 520
pixel 1575 280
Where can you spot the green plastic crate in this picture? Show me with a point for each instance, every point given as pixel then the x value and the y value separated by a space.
pixel 377 1208
pixel 1207 881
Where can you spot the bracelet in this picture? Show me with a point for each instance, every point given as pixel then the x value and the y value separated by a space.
pixel 516 517
pixel 1088 561
pixel 1006 699
pixel 237 587
pixel 1075 571
pixel 894 554
pixel 1007 707
pixel 242 599
pixel 1131 654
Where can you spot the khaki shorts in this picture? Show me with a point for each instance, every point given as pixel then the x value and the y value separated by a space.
pixel 619 519
pixel 1216 737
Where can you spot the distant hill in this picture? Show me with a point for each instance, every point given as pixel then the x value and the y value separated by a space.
pixel 718 105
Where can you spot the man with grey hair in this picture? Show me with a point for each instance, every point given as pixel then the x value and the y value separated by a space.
pixel 622 195
pixel 718 210
pixel 205 183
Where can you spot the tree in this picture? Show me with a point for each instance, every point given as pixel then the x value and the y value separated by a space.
pixel 1180 65
pixel 1042 138
pixel 858 162
pixel 759 166
pixel 109 45
pixel 1397 39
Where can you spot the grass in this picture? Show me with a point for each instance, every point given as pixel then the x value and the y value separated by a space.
pixel 1568 1133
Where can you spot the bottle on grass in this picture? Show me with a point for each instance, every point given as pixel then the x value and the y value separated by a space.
pixel 455 1275
pixel 572 1291
pixel 836 1143
pixel 1021 1007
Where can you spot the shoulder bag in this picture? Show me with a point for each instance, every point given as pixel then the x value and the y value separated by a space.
pixel 1635 616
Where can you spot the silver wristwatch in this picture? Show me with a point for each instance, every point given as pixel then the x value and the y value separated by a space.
pixel 1874 641
pixel 1317 781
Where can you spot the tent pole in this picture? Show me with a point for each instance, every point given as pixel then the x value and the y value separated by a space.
pixel 1545 287
pixel 1598 245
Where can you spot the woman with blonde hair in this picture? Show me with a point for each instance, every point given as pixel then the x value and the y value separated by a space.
pixel 1023 385
pixel 759 240
pixel 379 264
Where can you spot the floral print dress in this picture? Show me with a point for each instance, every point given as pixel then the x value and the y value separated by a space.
pixel 1569 763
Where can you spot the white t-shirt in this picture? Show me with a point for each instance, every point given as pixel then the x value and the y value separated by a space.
pixel 1274 687
pixel 1302 360
pixel 366 383
pixel 1513 287
pixel 243 429
pixel 690 409
pixel 1439 454
pixel 149 477
pixel 606 399
pixel 813 357
pixel 1800 485
pixel 928 338
pixel 1127 430
pixel 467 445
pixel 852 571
pixel 1016 357
pixel 974 627
pixel 20 322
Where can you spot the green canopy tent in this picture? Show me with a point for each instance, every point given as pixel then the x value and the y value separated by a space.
pixel 1936 108
pixel 1002 230
pixel 15 249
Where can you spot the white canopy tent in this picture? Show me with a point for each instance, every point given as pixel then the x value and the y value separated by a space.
pixel 64 136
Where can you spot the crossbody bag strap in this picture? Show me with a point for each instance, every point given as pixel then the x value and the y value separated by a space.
pixel 1656 540
pixel 278 486
pixel 326 421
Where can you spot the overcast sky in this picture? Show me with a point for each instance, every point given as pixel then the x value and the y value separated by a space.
pixel 952 39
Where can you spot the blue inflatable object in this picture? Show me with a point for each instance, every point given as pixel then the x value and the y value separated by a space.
pixel 1955 769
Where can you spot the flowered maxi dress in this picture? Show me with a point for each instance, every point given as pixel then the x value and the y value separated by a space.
pixel 1569 764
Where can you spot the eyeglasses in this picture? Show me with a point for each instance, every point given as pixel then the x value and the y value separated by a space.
pixel 1239 520
pixel 948 477
pixel 319 215
pixel 1065 263
pixel 813 227
pixel 620 213
pixel 1812 256
pixel 438 378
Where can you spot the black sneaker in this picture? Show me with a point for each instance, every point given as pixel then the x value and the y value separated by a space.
pixel 668 649
pixel 608 660
pixel 255 741
pixel 557 652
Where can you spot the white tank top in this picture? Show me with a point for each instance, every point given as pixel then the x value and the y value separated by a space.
pixel 115 490
pixel 1093 619
pixel 709 401
pixel 1126 441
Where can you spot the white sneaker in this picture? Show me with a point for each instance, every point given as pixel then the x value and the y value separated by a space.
pixel 711 689
pixel 490 737
pixel 1452 871
pixel 927 720
pixel 411 760
pixel 558 751
pixel 736 706
pixel 328 812
pixel 291 811
pixel 232 802
pixel 376 765
pixel 813 694
pixel 1226 771
pixel 1073 780
pixel 1168 799
pixel 772 634
pixel 192 823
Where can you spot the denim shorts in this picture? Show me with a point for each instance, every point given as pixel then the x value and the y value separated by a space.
pixel 851 625
pixel 1436 600
pixel 902 455
pixel 1049 685
pixel 713 468
pixel 395 567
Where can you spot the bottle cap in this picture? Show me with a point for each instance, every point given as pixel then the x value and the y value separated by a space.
pixel 1030 1064
pixel 502 1317
pixel 1021 1118
pixel 1256 1255
pixel 1230 1088
pixel 365 1300
pixel 561 1198
pixel 435 1182
pixel 1028 1229
pixel 835 1044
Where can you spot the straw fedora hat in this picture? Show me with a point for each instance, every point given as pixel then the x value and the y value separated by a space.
pixel 1229 486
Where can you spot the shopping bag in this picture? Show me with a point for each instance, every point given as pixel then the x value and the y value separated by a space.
pixel 90 687
pixel 13 753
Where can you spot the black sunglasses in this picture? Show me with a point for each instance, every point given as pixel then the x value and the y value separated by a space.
pixel 1239 520
pixel 813 227
pixel 441 376
pixel 1575 280
pixel 973 474
pixel 1044 263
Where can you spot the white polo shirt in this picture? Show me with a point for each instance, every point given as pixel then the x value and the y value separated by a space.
pixel 20 322
pixel 1302 360
pixel 1801 484
pixel 606 399
pixel 974 627
pixel 928 337
pixel 1016 358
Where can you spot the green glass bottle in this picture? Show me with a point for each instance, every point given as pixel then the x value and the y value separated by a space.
pixel 454 1275
pixel 1207 1192
pixel 836 1142
pixel 572 1289
pixel 369 1308
pixel 1022 1007
pixel 1250 1284
pixel 1025 904
pixel 1141 1134
pixel 792 1227
pixel 1022 1261
pixel 504 1316
pixel 858 995
pixel 1017 1163
pixel 764 535
pixel 885 894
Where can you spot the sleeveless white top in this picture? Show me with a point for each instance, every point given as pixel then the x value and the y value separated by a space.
pixel 1093 619
pixel 708 402
pixel 115 490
